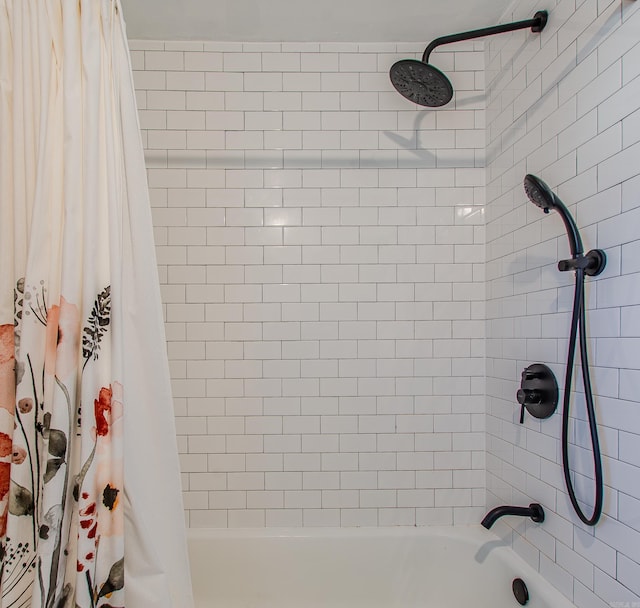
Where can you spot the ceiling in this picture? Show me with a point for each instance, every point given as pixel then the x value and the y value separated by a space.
pixel 307 20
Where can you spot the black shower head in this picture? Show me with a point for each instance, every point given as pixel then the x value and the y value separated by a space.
pixel 425 85
pixel 539 193
pixel 542 196
pixel 421 83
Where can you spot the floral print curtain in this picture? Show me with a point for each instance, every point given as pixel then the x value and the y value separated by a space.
pixel 90 511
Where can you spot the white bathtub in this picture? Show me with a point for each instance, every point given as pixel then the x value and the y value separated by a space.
pixel 358 568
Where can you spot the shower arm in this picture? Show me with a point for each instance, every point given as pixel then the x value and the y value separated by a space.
pixel 536 24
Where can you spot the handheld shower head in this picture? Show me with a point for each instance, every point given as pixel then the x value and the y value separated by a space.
pixel 542 196
pixel 539 193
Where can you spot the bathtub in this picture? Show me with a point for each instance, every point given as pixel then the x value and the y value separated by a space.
pixel 357 568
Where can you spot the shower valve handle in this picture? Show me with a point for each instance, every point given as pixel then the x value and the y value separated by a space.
pixel 538 391
pixel 527 397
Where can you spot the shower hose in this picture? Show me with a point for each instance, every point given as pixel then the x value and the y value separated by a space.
pixel 578 325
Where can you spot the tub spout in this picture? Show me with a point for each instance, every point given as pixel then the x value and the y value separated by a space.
pixel 534 511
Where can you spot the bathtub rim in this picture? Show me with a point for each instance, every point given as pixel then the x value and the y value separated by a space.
pixel 470 532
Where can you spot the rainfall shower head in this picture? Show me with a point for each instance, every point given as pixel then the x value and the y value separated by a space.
pixel 425 85
pixel 421 83
pixel 542 196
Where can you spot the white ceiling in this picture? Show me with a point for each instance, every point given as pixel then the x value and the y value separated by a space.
pixel 307 20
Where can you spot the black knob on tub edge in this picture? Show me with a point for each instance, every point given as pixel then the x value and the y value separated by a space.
pixel 520 591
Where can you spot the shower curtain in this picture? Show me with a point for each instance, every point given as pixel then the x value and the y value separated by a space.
pixel 90 504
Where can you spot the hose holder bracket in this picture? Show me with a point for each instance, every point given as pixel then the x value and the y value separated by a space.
pixel 593 263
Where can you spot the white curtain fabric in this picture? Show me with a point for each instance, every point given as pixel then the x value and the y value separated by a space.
pixel 90 506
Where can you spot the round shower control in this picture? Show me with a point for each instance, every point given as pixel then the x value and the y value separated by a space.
pixel 538 392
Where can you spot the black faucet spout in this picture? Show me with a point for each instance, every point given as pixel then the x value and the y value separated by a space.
pixel 534 511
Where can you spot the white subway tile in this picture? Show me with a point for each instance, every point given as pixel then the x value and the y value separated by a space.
pixel 340 121
pixel 225 121
pixel 161 60
pixel 281 62
pixel 244 140
pixel 345 81
pixel 263 81
pixel 358 101
pixel 358 62
pixel 204 140
pixel 263 121
pixel 340 499
pixel 185 81
pixel 241 62
pixel 319 62
pixel 219 81
pixel 302 81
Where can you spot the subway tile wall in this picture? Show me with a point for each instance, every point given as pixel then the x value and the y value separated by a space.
pixel 321 250
pixel 564 105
